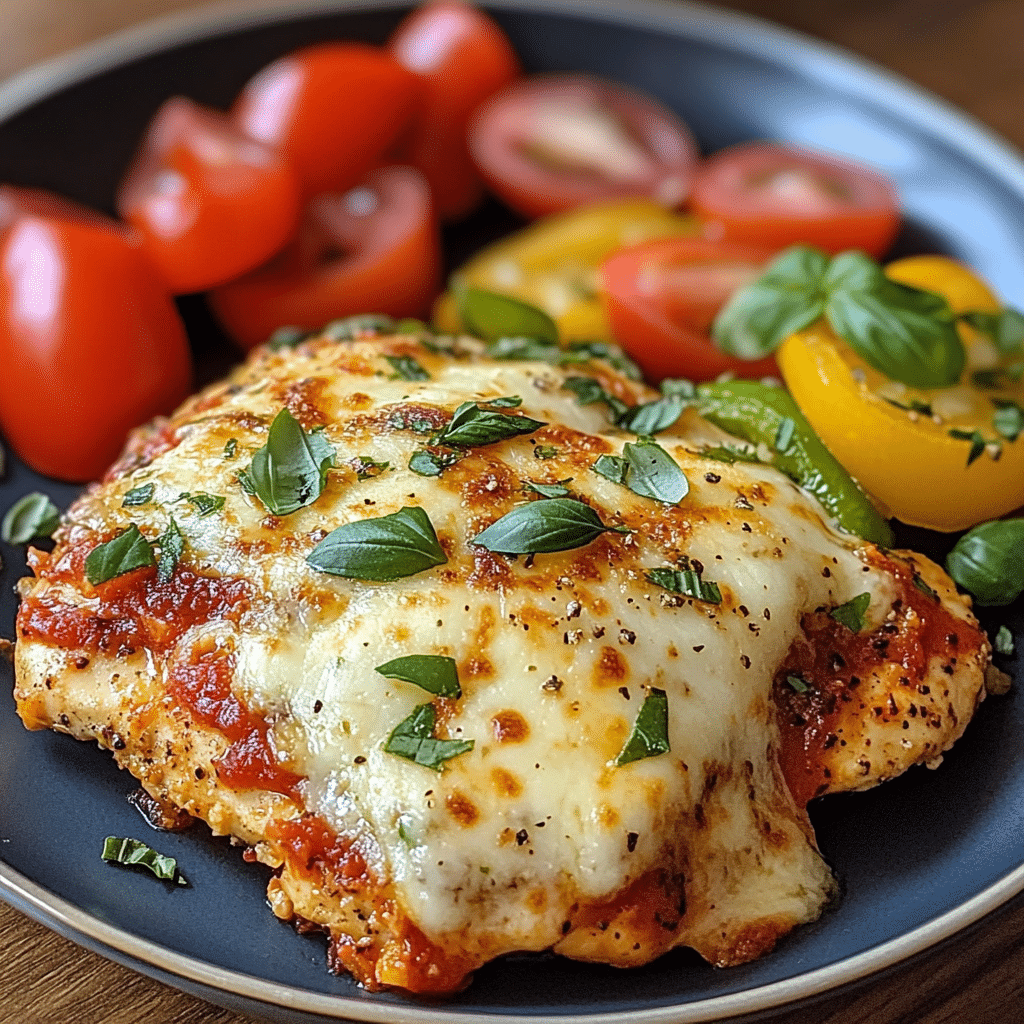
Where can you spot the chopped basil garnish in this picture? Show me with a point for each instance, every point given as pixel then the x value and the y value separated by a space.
pixel 288 337
pixel 1003 642
pixel 1001 377
pixel 34 515
pixel 362 325
pixel 797 684
pixel 490 316
pixel 434 673
pixel 290 470
pixel 988 561
pixel 584 351
pixel 230 447
pixel 906 333
pixel 649 737
pixel 138 496
pixel 427 463
pixel 127 551
pixel 1008 419
pixel 976 438
pixel 920 584
pixel 529 349
pixel 544 526
pixel 1005 328
pixel 472 426
pixel 171 544
pixel 403 419
pixel 367 468
pixel 503 402
pixel 588 391
pixel 646 469
pixel 653 417
pixel 382 549
pixel 406 368
pixel 851 614
pixel 413 739
pixel 612 467
pixel 549 490
pixel 205 504
pixel 545 451
pixel 134 853
pixel 687 582
pixel 729 454
pixel 678 386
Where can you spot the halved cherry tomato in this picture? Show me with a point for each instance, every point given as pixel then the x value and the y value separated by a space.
pixel 461 57
pixel 334 109
pixel 662 297
pixel 209 202
pixel 779 195
pixel 374 249
pixel 91 343
pixel 553 142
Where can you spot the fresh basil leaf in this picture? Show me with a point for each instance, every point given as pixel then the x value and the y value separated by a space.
pixel 290 470
pixel 381 549
pixel 367 468
pixel 127 551
pixel 548 490
pixel 584 351
pixel 32 516
pixel 427 463
pixel 797 684
pixel 588 391
pixel 678 386
pixel 434 673
pixel 649 737
pixel 134 853
pixel 472 427
pixel 851 614
pixel 490 315
pixel 503 402
pixel 288 337
pixel 413 739
pixel 171 544
pixel 612 467
pixel 652 417
pixel 230 447
pixel 205 504
pixel 906 333
pixel 687 582
pixel 1003 642
pixel 1005 328
pixel 545 451
pixel 788 297
pixel 547 525
pixel 653 473
pixel 138 496
pixel 1008 419
pixel 1001 377
pixel 976 438
pixel 362 325
pixel 406 368
pixel 527 349
pixel 988 562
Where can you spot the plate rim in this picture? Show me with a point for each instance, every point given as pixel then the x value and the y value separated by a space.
pixel 736 31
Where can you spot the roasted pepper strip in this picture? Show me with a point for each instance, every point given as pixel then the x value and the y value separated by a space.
pixel 757 413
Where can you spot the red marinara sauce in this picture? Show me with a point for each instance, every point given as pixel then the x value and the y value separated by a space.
pixel 832 660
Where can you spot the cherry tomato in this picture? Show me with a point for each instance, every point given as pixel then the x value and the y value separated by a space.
pixel 778 195
pixel 91 344
pixel 209 202
pixel 461 57
pixel 662 297
pixel 334 109
pixel 375 249
pixel 554 142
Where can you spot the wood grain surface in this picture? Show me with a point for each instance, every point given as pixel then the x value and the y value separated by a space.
pixel 970 52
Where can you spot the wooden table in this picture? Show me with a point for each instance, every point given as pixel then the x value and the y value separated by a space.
pixel 968 51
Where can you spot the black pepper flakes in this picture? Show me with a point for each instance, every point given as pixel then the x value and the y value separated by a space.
pixel 712 478
pixel 318 707
pixel 631 841
pixel 522 836
pixel 624 690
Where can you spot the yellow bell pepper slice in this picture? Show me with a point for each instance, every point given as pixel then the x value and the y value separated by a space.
pixel 896 440
pixel 552 264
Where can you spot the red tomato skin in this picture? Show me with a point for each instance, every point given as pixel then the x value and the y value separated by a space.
pixel 334 109
pixel 209 202
pixel 390 262
pixel 668 335
pixel 500 128
pixel 91 343
pixel 461 57
pixel 733 211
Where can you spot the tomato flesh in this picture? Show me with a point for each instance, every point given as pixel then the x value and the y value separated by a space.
pixel 461 58
pixel 781 195
pixel 662 297
pixel 374 249
pixel 209 202
pixel 555 142
pixel 91 343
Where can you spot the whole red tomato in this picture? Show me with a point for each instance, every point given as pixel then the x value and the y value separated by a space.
pixel 91 343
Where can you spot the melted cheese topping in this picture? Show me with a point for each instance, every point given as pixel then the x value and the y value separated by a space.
pixel 534 838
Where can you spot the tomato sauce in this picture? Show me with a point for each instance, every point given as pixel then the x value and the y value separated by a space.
pixel 832 661
pixel 313 848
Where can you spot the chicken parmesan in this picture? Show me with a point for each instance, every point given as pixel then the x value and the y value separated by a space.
pixel 475 670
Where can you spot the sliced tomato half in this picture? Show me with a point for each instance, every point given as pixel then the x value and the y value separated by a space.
pixel 662 297
pixel 555 142
pixel 374 249
pixel 780 195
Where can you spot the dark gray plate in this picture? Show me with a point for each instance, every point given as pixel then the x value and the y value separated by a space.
pixel 920 859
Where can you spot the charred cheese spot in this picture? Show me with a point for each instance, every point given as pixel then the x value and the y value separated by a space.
pixel 506 783
pixel 462 809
